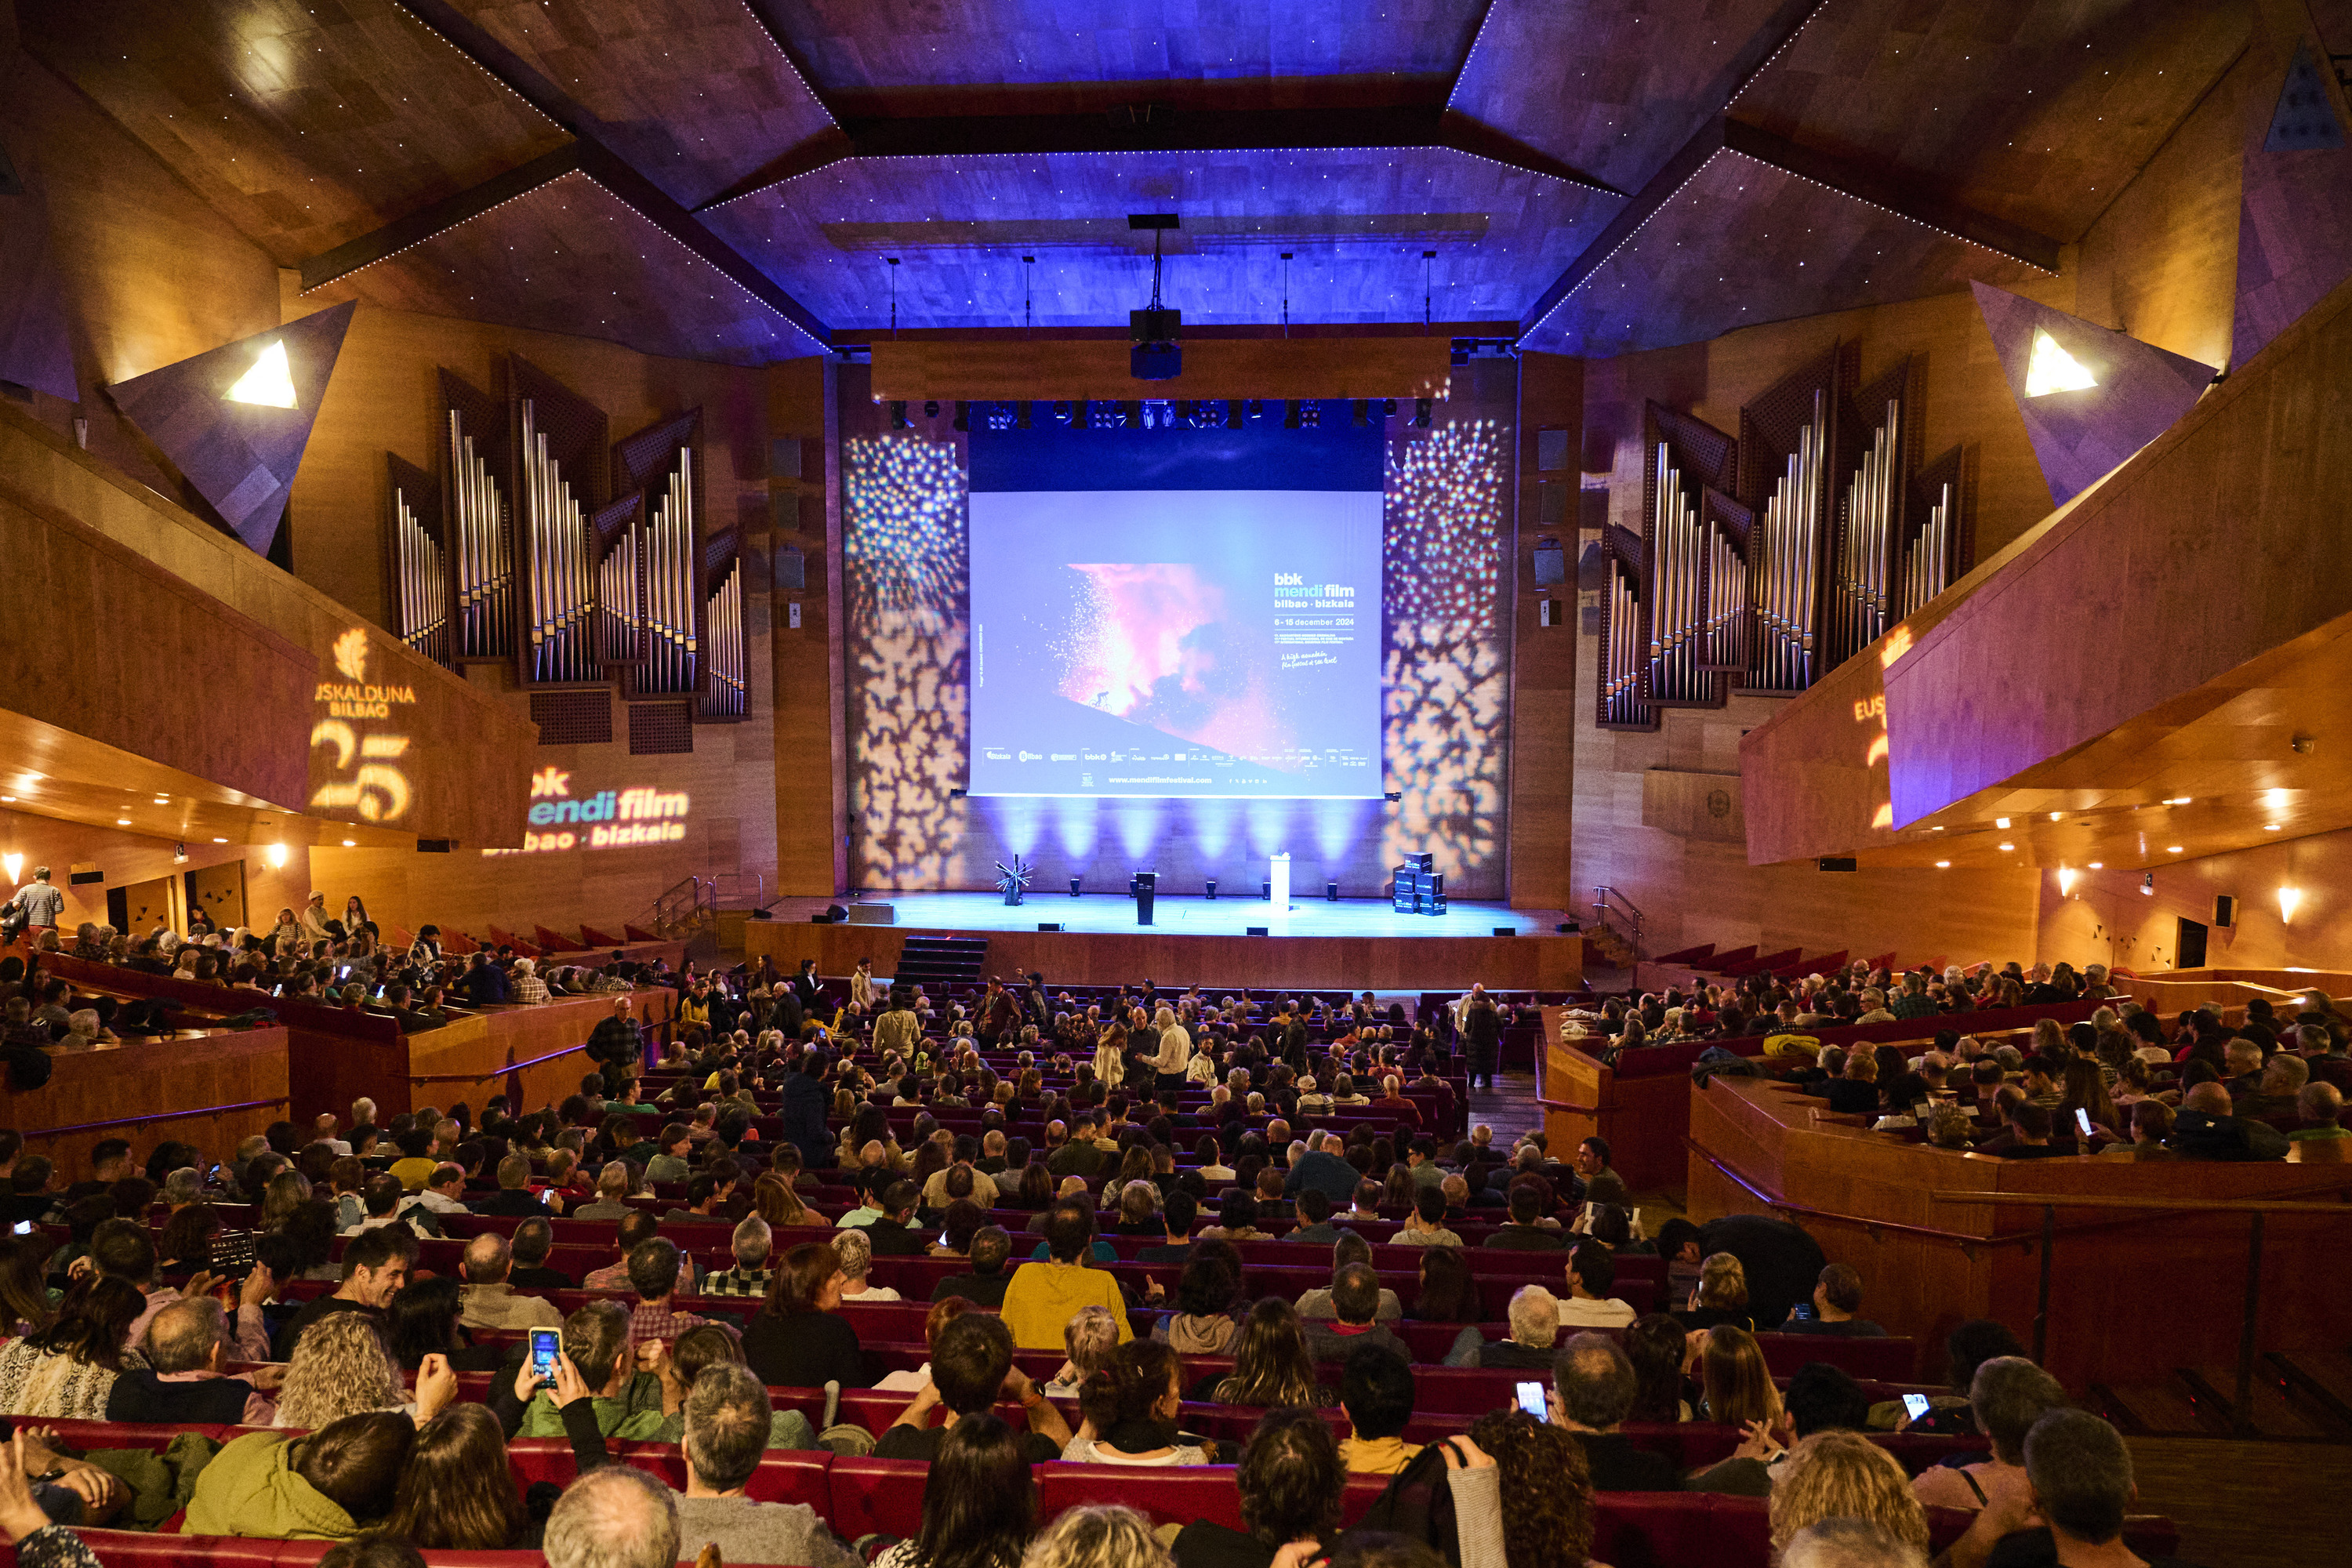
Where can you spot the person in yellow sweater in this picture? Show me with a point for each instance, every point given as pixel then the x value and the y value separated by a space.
pixel 1044 1296
pixel 1377 1392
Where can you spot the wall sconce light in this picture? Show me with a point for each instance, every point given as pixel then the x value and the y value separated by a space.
pixel 276 856
pixel 14 864
pixel 2147 884
pixel 2288 899
pixel 2066 879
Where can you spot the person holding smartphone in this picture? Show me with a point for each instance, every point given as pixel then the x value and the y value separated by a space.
pixel 1837 1297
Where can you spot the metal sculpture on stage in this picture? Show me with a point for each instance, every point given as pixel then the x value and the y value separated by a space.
pixel 1013 880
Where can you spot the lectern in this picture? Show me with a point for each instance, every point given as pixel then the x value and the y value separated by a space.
pixel 1144 886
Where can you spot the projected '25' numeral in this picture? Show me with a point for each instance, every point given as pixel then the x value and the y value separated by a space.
pixel 375 789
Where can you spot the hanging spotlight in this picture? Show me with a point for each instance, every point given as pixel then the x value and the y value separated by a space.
pixel 1421 413
pixel 963 415
pixel 1183 413
pixel 1357 411
pixel 1310 414
pixel 930 408
pixel 1387 407
pixel 1290 415
pixel 1256 408
pixel 1021 415
pixel 899 420
pixel 1082 415
pixel 1131 413
pixel 1062 414
pixel 1232 413
pixel 1156 356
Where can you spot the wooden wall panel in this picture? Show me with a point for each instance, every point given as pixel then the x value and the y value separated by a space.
pixel 129 858
pixel 1078 958
pixel 2108 920
pixel 1544 668
pixel 152 272
pixel 1755 1146
pixel 1694 806
pixel 111 1093
pixel 812 809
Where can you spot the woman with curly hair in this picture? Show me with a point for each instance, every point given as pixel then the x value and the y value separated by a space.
pixel 341 1368
pixel 1844 1475
pixel 1545 1499
pixel 1098 1535
pixel 1271 1366
pixel 66 1370
pixel 1130 1408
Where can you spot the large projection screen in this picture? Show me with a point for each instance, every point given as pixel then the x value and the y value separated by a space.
pixel 1176 614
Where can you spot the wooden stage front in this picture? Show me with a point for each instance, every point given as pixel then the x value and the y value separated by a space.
pixel 1354 945
pixel 2134 1291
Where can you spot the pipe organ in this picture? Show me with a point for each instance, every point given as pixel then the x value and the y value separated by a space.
pixel 1764 562
pixel 1696 536
pixel 1936 550
pixel 478 472
pixel 560 450
pixel 581 564
pixel 416 562
pixel 1624 649
pixel 727 691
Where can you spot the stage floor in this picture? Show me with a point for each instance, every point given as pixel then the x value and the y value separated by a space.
pixel 1107 913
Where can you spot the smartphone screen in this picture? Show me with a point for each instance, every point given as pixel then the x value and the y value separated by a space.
pixel 24 1227
pixel 2083 1120
pixel 1803 1312
pixel 544 1343
pixel 1916 1404
pixel 1531 1400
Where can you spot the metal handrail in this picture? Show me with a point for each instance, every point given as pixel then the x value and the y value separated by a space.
pixel 158 1116
pixel 2241 1415
pixel 1607 901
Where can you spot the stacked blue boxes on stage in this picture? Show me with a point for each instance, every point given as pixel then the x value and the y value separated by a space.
pixel 1420 887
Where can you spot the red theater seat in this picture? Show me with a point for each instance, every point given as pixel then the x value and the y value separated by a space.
pixel 884 1495
pixel 1173 1496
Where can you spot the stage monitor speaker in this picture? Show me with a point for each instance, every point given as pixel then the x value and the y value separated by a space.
pixel 1255 931
pixel 820 919
pixel 1074 886
pixel 1265 889
pixel 1049 925
pixel 1552 563
pixel 436 845
pixel 1212 886
pixel 1551 449
pixel 789 573
pixel 835 913
pixel 1836 863
pixel 784 457
pixel 1507 930
pixel 1567 928
pixel 873 914
pixel 2225 911
pixel 1331 892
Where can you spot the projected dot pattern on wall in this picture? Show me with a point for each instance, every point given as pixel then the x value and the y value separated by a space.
pixel 1447 677
pixel 903 546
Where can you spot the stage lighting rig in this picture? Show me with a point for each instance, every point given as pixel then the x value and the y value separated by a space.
pixel 1156 356
pixel 899 420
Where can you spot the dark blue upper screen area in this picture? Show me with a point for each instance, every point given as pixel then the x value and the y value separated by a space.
pixel 1059 458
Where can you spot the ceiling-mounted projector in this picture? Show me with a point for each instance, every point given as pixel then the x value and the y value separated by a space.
pixel 1156 356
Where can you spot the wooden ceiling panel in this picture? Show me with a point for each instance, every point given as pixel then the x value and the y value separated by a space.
pixel 304 125
pixel 571 257
pixel 899 55
pixel 1795 248
pixel 2035 112
pixel 1356 223
pixel 694 93
pixel 1608 86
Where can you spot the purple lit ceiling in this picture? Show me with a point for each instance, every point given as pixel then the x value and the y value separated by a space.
pixel 1594 175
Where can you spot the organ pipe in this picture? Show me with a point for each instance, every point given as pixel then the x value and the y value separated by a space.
pixel 672 554
pixel 1860 608
pixel 485 563
pixel 420 584
pixel 561 594
pixel 1791 550
pixel 729 695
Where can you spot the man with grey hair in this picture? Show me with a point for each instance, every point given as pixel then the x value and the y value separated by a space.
pixel 489 1300
pixel 1591 1394
pixel 614 1517
pixel 1535 1325
pixel 2008 1394
pixel 2079 1481
pixel 2321 1106
pixel 750 1276
pixel 1840 1543
pixel 727 1418
pixel 182 1187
